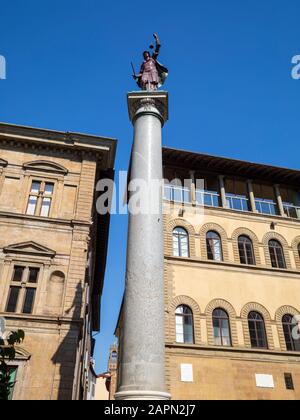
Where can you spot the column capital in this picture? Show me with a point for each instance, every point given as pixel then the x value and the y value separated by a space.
pixel 153 103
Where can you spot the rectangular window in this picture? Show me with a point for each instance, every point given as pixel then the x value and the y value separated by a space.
pixel 289 383
pixel 40 199
pixel 13 299
pixel 29 300
pixel 23 289
pixel 18 273
pixel 12 380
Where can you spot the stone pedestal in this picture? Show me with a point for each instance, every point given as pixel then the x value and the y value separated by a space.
pixel 142 369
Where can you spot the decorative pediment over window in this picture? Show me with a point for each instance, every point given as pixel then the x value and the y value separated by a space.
pixel 22 354
pixel 29 248
pixel 3 163
pixel 45 166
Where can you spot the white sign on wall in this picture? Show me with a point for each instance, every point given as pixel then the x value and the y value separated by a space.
pixel 264 381
pixel 187 373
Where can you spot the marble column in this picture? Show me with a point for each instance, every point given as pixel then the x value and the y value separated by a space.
pixel 142 369
pixel 279 200
pixel 251 196
pixel 193 188
pixel 222 191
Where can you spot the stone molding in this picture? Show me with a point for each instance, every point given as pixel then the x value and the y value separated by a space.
pixel 222 304
pixel 255 242
pixel 155 103
pixel 296 251
pixel 283 242
pixel 45 166
pixel 168 232
pixel 284 310
pixel 223 235
pixel 253 306
pixel 193 305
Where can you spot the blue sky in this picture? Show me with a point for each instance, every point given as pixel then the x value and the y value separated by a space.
pixel 230 85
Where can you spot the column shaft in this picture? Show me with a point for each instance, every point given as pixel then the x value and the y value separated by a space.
pixel 143 346
pixel 222 191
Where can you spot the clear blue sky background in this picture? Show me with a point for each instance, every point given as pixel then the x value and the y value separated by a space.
pixel 231 91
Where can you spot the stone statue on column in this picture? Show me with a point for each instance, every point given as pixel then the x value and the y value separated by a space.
pixel 152 74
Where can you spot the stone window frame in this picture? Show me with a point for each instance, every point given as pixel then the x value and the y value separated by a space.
pixel 224 240
pixel 171 320
pixel 255 243
pixel 226 306
pixel 23 285
pixel 285 246
pixel 283 310
pixel 171 225
pixel 257 307
pixel 18 254
pixel 21 363
pixel 45 172
pixel 295 245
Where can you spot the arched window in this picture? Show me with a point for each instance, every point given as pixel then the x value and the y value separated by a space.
pixel 184 325
pixel 289 328
pixel 214 246
pixel 180 242
pixel 222 335
pixel 246 250
pixel 257 331
pixel 276 254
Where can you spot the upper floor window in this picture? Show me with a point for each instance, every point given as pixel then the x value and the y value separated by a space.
pixel 257 330
pixel 246 250
pixel 276 254
pixel 22 289
pixel 214 246
pixel 180 242
pixel 40 198
pixel 184 325
pixel 289 328
pixel 221 326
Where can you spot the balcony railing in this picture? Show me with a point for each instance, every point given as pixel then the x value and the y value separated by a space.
pixel 177 194
pixel 265 206
pixel 207 198
pixel 234 202
pixel 291 210
pixel 237 202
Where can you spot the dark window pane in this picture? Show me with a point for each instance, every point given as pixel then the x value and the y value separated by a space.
pixel 29 300
pixel 289 383
pixel 33 274
pixel 13 299
pixel 18 273
pixel 257 330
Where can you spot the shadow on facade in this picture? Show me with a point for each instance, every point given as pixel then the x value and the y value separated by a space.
pixel 66 354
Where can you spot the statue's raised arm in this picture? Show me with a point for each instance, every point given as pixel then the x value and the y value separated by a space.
pixel 152 74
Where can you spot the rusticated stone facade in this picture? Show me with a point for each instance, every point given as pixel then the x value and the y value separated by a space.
pixel 52 254
pixel 239 200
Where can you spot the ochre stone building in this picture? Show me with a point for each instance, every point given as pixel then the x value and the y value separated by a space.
pixel 53 248
pixel 232 278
